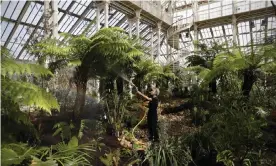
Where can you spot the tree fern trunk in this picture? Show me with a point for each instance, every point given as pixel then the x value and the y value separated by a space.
pixel 102 87
pixel 248 81
pixel 213 86
pixel 81 79
pixel 120 85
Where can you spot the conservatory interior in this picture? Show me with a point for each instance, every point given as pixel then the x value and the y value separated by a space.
pixel 138 83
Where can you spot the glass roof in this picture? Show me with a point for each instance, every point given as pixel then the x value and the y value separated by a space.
pixel 22 24
pixel 250 28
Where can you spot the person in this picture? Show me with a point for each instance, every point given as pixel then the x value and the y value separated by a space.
pixel 152 112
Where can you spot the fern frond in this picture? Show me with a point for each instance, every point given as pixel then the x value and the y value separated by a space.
pixel 29 94
pixel 50 48
pixel 269 67
pixel 5 53
pixel 10 67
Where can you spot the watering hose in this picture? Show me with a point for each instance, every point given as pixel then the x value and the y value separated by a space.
pixel 133 130
pixel 145 113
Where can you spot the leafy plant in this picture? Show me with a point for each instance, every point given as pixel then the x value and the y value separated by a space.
pixel 20 96
pixel 97 55
pixel 202 63
pixel 62 153
pixel 112 158
pixel 85 124
pixel 168 152
pixel 64 129
pixel 115 109
pixel 21 92
pixel 147 71
pixel 262 59
pixel 15 153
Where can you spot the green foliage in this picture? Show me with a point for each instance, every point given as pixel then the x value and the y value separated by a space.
pixel 85 124
pixel 168 152
pixel 64 129
pixel 9 67
pixel 111 158
pixel 115 109
pixel 147 71
pixel 15 153
pixel 69 154
pixel 24 93
pixel 37 161
pixel 226 157
pixel 29 94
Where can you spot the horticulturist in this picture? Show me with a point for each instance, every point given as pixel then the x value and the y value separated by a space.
pixel 152 113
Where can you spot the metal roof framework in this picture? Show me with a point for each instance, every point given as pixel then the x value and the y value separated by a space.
pixel 22 24
pixel 253 31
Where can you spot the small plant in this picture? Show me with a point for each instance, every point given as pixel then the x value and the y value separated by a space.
pixel 64 129
pixel 115 110
pixel 168 152
pixel 112 158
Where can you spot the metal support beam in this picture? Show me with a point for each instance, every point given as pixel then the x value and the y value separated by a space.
pixel 110 18
pixel 167 45
pixel 106 14
pixel 212 33
pixel 64 13
pixel 234 24
pixel 21 15
pixel 152 46
pixel 265 28
pixel 224 36
pixel 130 24
pixel 29 39
pixel 98 13
pixel 158 40
pixel 55 18
pixel 82 16
pixel 121 21
pixel 38 27
pixel 195 15
pixel 67 11
pixel 251 35
pixel 137 14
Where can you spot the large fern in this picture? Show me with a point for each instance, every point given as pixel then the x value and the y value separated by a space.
pixel 25 93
